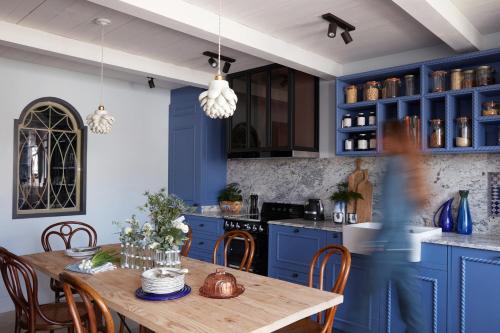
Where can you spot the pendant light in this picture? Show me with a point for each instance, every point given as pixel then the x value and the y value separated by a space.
pixel 219 101
pixel 100 122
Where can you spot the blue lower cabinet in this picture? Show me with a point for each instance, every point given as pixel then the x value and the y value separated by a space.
pixel 206 231
pixel 475 291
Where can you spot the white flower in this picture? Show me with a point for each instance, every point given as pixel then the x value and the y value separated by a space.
pixel 169 239
pixel 147 227
pixel 127 231
pixel 178 221
pixel 184 228
pixel 154 245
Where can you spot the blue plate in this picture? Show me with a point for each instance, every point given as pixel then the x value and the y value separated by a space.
pixel 139 293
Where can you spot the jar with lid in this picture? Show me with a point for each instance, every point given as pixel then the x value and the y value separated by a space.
pixel 436 139
pixel 347 121
pixel 468 80
pixel 351 94
pixel 373 141
pixel 362 142
pixel 372 119
pixel 349 144
pixel 490 108
pixel 361 119
pixel 439 81
pixel 391 87
pixel 371 91
pixel 484 75
pixel 410 85
pixel 463 137
pixel 456 79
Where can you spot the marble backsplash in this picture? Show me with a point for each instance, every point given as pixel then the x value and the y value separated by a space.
pixel 296 180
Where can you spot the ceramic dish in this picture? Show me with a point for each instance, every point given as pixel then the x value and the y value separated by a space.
pixel 140 293
pixel 82 252
pixel 162 280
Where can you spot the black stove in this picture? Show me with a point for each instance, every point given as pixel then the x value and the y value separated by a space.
pixel 257 227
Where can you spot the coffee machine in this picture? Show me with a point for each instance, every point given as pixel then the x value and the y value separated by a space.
pixel 314 210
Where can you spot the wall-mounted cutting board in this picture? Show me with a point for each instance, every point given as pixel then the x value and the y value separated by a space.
pixel 353 181
pixel 364 207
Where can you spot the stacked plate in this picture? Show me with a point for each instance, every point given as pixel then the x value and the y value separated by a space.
pixel 82 252
pixel 162 280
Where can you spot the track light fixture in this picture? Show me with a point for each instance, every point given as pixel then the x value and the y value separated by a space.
pixel 151 82
pixel 335 22
pixel 213 63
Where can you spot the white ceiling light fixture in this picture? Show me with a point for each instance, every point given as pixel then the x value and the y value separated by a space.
pixel 101 122
pixel 219 101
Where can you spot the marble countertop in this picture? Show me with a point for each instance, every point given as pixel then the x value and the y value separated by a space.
pixel 474 241
pixel 213 214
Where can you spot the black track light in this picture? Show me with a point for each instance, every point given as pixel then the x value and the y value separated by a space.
pixel 346 36
pixel 332 30
pixel 212 62
pixel 151 82
pixel 225 68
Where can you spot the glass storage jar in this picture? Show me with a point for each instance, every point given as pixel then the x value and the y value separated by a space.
pixel 490 108
pixel 484 75
pixel 372 119
pixel 362 142
pixel 349 144
pixel 436 139
pixel 351 94
pixel 439 81
pixel 468 80
pixel 410 88
pixel 456 79
pixel 463 137
pixel 373 141
pixel 361 119
pixel 391 87
pixel 347 121
pixel 371 91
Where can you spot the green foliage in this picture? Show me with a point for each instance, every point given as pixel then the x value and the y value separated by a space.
pixel 101 257
pixel 231 192
pixel 343 194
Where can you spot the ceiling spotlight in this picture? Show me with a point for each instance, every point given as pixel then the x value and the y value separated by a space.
pixel 225 68
pixel 332 30
pixel 213 63
pixel 151 82
pixel 346 36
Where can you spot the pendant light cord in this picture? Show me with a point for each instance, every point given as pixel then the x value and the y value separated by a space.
pixel 102 64
pixel 220 13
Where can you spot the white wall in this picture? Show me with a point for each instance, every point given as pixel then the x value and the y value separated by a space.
pixel 120 166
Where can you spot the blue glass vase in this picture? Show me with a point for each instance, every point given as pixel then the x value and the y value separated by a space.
pixel 464 220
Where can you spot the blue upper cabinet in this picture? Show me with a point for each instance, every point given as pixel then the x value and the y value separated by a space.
pixel 423 106
pixel 197 155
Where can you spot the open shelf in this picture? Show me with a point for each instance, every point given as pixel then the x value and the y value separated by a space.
pixel 358 129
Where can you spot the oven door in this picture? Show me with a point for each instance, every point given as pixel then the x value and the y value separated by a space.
pixel 236 251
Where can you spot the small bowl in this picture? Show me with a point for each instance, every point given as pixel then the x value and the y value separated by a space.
pixel 221 285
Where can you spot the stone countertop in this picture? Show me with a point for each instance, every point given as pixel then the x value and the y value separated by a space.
pixel 212 214
pixel 474 241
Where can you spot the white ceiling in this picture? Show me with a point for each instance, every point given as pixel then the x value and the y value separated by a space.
pixel 483 14
pixel 381 27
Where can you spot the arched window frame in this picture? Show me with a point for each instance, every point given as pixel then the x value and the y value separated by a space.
pixel 80 166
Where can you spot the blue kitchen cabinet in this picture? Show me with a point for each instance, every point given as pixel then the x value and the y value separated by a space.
pixel 205 231
pixel 474 291
pixel 197 153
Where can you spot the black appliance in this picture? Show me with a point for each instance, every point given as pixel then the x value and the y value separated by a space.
pixel 258 228
pixel 314 210
pixel 254 206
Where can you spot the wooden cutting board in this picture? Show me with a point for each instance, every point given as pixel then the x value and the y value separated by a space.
pixel 353 181
pixel 364 207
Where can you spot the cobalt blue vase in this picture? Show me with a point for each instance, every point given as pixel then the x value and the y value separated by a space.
pixel 464 220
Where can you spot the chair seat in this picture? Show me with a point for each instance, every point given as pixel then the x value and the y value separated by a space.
pixel 57 312
pixel 302 326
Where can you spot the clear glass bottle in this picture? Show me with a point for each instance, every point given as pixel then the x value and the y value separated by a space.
pixel 371 91
pixel 410 88
pixel 436 139
pixel 373 141
pixel 362 142
pixel 490 108
pixel 351 94
pixel 391 87
pixel 463 136
pixel 456 79
pixel 347 121
pixel 372 119
pixel 484 75
pixel 361 119
pixel 439 81
pixel 469 79
pixel 348 144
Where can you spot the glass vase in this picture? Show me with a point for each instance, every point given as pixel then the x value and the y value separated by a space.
pixel 167 258
pixel 464 219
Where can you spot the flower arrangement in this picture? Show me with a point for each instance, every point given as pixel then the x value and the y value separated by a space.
pixel 165 230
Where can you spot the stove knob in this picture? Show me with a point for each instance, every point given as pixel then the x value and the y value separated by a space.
pixel 261 229
pixel 232 225
pixel 226 224
pixel 246 226
pixel 254 228
pixel 238 226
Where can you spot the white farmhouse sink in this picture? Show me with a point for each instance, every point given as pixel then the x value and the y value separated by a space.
pixel 358 237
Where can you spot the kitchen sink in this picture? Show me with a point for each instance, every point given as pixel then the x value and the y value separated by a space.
pixel 358 238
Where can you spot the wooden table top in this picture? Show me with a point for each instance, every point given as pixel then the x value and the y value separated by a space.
pixel 266 305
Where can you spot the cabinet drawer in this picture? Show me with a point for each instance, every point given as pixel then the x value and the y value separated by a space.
pixel 290 276
pixel 333 238
pixel 207 225
pixel 293 248
pixel 203 244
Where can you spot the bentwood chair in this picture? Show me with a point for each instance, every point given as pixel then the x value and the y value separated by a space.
pixel 309 325
pixel 92 300
pixel 239 235
pixel 65 231
pixel 30 315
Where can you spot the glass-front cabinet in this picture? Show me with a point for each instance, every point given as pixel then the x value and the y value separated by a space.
pixel 276 114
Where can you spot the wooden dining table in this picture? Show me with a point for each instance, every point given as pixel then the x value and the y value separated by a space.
pixel 266 305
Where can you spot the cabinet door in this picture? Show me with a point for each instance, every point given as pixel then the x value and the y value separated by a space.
pixel 306 113
pixel 206 231
pixel 259 86
pixel 239 121
pixel 474 292
pixel 280 112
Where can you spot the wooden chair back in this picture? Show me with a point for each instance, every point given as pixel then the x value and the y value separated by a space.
pixel 340 282
pixel 66 230
pixel 91 300
pixel 187 243
pixel 240 235
pixel 18 276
